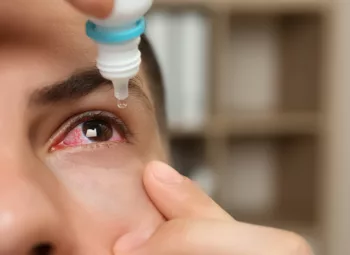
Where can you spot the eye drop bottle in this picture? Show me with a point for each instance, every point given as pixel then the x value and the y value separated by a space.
pixel 118 38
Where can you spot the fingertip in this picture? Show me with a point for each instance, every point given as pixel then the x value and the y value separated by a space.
pixel 149 169
pixel 163 173
pixel 155 164
pixel 96 8
pixel 176 196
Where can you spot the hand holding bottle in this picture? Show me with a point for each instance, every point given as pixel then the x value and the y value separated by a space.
pixel 96 8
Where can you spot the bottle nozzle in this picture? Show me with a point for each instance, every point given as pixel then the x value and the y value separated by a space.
pixel 121 91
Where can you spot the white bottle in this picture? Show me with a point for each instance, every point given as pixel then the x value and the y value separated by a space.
pixel 118 39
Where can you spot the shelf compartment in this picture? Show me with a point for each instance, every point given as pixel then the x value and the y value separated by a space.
pixel 283 124
pixel 244 6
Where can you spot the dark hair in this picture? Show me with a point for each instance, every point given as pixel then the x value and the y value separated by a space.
pixel 154 75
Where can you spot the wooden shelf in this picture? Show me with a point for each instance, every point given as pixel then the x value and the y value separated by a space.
pixel 265 125
pixel 246 125
pixel 293 142
pixel 269 6
pixel 182 133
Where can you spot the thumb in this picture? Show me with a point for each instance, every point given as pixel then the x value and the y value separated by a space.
pixel 96 8
pixel 176 196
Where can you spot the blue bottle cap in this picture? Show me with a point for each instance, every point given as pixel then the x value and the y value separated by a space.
pixel 114 36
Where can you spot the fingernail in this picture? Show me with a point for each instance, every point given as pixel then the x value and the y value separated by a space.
pixel 167 174
pixel 131 242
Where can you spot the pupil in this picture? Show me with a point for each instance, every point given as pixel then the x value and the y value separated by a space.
pixel 101 130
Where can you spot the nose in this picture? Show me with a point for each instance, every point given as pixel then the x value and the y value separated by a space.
pixel 32 218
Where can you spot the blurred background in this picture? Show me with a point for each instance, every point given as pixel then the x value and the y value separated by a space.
pixel 257 99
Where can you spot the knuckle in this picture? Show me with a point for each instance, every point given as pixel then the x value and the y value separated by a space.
pixel 178 229
pixel 178 236
pixel 297 245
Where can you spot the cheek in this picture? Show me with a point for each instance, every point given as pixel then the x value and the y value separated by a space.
pixel 108 189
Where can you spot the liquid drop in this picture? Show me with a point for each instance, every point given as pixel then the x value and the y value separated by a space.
pixel 122 104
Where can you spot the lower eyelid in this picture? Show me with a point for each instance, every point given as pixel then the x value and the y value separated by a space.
pixel 88 147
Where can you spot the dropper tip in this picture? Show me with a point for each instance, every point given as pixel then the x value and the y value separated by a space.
pixel 121 91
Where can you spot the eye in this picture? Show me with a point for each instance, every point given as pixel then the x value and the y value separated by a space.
pixel 90 128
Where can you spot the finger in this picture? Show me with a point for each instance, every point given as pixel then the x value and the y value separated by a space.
pixel 208 237
pixel 178 197
pixel 97 8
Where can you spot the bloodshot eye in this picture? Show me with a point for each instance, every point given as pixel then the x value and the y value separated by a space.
pixel 97 129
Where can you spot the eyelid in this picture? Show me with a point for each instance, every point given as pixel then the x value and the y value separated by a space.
pixel 74 121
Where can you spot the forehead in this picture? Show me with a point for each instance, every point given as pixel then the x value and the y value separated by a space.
pixel 41 42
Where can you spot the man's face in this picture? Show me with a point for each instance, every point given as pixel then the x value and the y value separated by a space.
pixel 71 161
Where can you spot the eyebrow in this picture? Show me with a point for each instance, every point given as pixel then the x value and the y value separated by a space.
pixel 81 84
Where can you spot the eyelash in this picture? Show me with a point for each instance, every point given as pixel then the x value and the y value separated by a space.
pixel 77 120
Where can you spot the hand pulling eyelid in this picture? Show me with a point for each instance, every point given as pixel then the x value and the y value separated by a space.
pixel 118 39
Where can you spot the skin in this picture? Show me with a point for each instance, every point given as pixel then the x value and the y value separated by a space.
pixel 79 199
pixel 97 8
pixel 96 198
